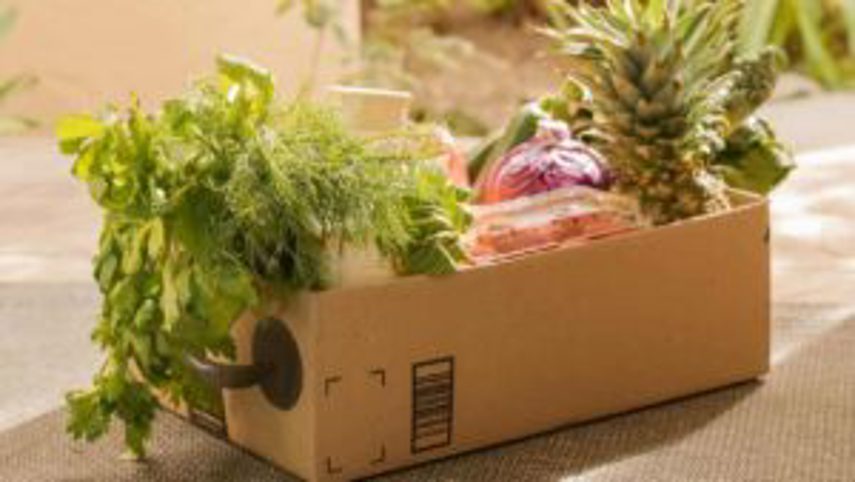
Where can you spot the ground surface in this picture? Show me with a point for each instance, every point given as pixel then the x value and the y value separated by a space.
pixel 48 229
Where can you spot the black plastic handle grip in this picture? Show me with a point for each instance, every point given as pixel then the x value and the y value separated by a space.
pixel 276 368
pixel 228 376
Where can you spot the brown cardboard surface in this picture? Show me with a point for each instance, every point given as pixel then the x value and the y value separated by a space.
pixel 424 368
pixel 286 438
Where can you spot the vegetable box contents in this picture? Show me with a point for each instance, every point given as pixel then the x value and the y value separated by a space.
pixel 228 196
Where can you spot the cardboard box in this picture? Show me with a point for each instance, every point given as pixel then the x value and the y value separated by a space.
pixel 419 369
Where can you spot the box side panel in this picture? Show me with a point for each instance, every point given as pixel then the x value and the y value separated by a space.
pixel 426 368
pixel 284 437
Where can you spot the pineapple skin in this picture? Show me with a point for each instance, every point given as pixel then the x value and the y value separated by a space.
pixel 666 92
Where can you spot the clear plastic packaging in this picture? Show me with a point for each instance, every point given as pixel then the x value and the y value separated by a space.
pixel 574 214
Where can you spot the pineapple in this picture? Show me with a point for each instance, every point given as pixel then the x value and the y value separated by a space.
pixel 666 90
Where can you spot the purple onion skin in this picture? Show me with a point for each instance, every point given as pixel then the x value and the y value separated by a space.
pixel 551 160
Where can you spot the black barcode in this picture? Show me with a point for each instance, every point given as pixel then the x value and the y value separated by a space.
pixel 433 404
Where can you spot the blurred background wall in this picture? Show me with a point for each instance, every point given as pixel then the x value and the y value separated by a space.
pixel 89 52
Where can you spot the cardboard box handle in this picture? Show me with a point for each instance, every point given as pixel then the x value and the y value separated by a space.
pixel 276 369
pixel 224 376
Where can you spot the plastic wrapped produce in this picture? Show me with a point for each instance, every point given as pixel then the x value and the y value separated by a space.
pixel 574 214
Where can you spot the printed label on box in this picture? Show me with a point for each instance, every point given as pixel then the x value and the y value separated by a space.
pixel 433 404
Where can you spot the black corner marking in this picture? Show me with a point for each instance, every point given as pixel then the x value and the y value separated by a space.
pixel 381 374
pixel 381 458
pixel 432 404
pixel 328 382
pixel 767 237
pixel 331 469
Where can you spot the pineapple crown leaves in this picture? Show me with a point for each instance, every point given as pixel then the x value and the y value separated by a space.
pixel 640 44
pixel 667 89
pixel 657 69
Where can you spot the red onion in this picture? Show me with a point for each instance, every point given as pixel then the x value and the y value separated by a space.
pixel 550 160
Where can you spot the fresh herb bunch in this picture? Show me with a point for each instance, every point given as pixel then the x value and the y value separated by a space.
pixel 223 195
pixel 667 91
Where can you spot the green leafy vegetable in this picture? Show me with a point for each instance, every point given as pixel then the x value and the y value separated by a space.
pixel 438 218
pixel 754 160
pixel 222 195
